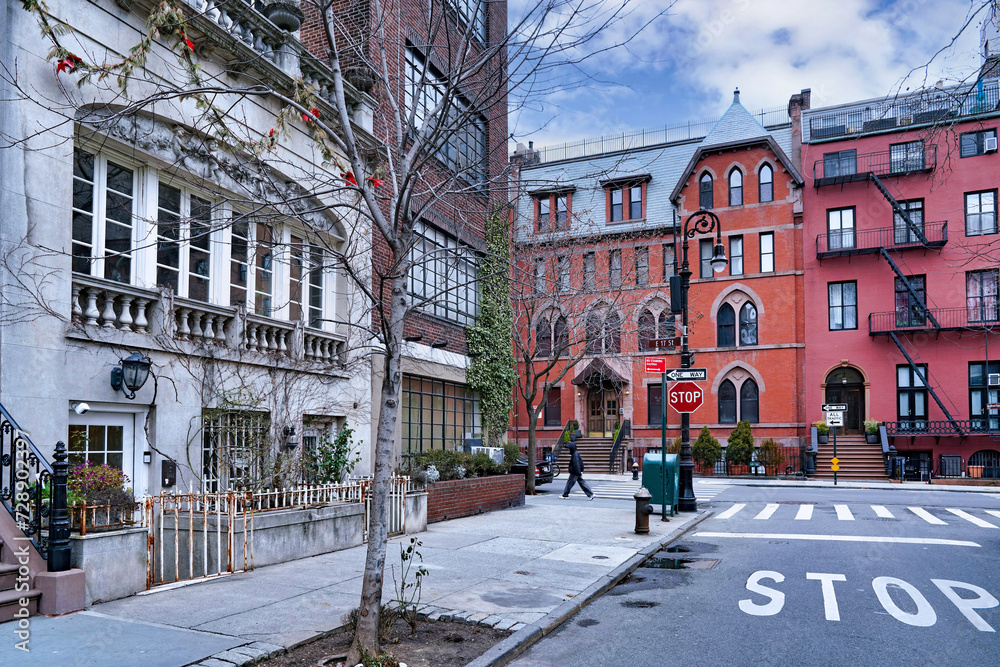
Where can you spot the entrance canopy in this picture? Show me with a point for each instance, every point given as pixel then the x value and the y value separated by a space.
pixel 599 374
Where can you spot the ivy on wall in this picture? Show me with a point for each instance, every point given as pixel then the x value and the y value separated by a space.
pixel 491 372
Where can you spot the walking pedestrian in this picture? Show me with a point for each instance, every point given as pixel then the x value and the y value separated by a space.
pixel 575 474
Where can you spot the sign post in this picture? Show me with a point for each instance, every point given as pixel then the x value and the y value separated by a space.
pixel 663 448
pixel 834 417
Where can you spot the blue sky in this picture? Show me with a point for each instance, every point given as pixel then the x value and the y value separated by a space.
pixel 685 64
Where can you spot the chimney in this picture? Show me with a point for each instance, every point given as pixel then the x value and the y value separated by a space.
pixel 796 105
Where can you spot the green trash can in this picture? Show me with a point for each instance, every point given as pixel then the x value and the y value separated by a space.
pixel 652 479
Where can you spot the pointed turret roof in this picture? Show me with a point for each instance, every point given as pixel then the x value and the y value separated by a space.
pixel 735 125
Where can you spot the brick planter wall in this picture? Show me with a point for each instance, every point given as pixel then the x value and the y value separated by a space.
pixel 465 497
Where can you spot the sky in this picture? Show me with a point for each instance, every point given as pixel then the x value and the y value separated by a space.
pixel 691 54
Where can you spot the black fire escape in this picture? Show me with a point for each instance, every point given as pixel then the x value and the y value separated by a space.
pixel 847 167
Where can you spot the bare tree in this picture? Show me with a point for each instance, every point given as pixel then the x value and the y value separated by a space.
pixel 428 96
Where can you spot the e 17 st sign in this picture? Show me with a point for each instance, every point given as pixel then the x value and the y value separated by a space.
pixel 685 396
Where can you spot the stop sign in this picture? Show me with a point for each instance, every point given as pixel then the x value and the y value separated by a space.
pixel 685 396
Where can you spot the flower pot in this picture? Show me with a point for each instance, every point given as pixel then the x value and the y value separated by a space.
pixel 285 14
pixel 707 470
pixel 823 438
pixel 871 438
pixel 976 471
pixel 572 437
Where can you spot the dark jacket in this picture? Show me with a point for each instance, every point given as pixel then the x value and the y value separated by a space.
pixel 575 462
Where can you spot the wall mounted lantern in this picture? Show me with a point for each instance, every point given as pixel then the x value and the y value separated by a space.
pixel 291 440
pixel 129 376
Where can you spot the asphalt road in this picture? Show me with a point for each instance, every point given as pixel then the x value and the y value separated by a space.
pixel 791 576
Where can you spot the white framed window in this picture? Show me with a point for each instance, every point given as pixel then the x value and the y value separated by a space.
pixel 183 242
pixel 305 282
pixel 472 14
pixel 104 210
pixel 263 262
pixel 464 152
pixel 443 275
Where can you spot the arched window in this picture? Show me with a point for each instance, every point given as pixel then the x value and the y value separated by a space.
pixel 705 191
pixel 735 187
pixel 647 330
pixel 666 324
pixel 765 183
pixel 593 333
pixel 727 403
pixel 612 333
pixel 561 336
pixel 726 326
pixel 749 402
pixel 748 324
pixel 543 338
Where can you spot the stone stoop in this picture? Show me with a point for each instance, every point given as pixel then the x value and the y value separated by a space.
pixel 10 598
pixel 595 453
pixel 858 459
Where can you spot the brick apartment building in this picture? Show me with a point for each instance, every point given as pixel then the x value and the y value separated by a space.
pixel 438 409
pixel 601 231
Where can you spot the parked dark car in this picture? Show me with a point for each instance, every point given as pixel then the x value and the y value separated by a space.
pixel 543 470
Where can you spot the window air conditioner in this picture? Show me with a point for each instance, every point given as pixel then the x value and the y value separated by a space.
pixel 990 145
pixel 993 379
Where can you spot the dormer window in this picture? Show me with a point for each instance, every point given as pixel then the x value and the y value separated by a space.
pixel 705 192
pixel 552 211
pixel 626 202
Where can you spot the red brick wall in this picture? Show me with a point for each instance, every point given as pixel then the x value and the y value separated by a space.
pixel 466 497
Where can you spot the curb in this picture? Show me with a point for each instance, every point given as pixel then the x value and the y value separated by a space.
pixel 859 485
pixel 513 646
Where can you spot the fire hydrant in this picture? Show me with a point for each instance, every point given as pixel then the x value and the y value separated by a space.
pixel 642 510
pixel 635 470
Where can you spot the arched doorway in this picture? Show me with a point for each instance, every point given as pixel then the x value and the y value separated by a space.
pixel 846 385
pixel 604 386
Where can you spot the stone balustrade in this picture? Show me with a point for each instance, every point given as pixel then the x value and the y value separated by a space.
pixel 202 322
pixel 267 336
pixel 321 346
pixel 111 305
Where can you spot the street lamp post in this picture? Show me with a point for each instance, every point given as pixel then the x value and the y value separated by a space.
pixel 704 223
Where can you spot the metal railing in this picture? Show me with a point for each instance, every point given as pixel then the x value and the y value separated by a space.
pixel 960 427
pixel 84 516
pixel 861 241
pixel 929 106
pixel 643 138
pixel 27 487
pixel 789 462
pixel 881 163
pixel 616 461
pixel 913 319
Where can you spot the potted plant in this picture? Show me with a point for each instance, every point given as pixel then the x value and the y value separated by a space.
pixel 822 432
pixel 740 448
pixel 770 456
pixel 575 427
pixel 871 431
pixel 705 451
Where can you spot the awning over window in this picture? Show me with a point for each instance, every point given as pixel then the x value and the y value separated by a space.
pixel 599 373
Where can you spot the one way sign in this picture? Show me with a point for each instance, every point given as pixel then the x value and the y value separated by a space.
pixel 696 374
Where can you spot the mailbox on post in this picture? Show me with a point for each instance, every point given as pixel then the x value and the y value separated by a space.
pixel 652 479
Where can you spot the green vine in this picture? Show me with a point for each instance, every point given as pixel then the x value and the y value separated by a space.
pixel 491 372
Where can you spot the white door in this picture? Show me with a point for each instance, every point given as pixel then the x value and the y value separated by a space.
pixel 105 438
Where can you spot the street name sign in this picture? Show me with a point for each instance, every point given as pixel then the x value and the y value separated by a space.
pixel 656 365
pixel 696 374
pixel 834 407
pixel 685 396
pixel 661 343
pixel 834 418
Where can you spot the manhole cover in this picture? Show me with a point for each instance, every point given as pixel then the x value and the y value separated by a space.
pixel 599 557
pixel 639 604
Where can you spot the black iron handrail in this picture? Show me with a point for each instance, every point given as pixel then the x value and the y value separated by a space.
pixel 914 319
pixel 625 427
pixel 882 163
pixel 562 439
pixel 25 482
pixel 860 241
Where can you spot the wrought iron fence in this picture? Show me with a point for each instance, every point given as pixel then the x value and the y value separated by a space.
pixel 856 241
pixel 789 462
pixel 881 163
pixel 26 487
pixel 84 517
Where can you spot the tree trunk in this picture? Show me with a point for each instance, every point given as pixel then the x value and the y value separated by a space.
pixel 529 475
pixel 366 635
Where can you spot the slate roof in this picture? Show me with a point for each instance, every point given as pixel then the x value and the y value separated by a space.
pixel 735 125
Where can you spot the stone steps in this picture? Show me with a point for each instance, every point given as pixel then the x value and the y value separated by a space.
pixel 10 597
pixel 858 459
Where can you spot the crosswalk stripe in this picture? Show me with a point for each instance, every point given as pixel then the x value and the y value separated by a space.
pixel 731 511
pixel 767 511
pixel 882 512
pixel 805 513
pixel 995 513
pixel 971 519
pixel 927 516
pixel 843 513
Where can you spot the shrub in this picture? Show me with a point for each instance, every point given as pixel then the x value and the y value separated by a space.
pixel 821 427
pixel 770 454
pixel 740 449
pixel 510 453
pixel 706 450
pixel 99 485
pixel 566 436
pixel 458 465
pixel 333 461
pixel 871 425
pixel 675 446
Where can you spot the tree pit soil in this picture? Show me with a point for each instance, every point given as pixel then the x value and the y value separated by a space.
pixel 435 644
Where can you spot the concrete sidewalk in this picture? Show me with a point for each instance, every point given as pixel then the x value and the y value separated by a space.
pixel 524 569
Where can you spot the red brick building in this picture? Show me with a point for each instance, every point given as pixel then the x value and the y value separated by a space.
pixel 603 234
